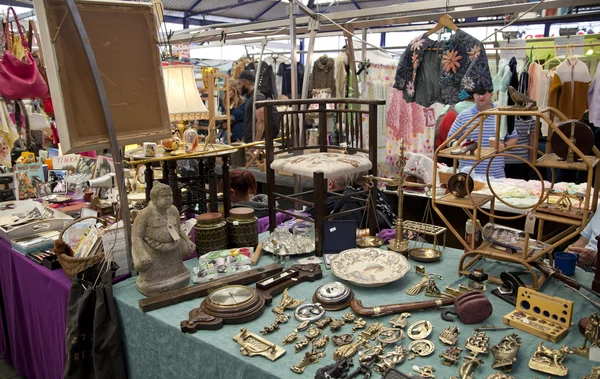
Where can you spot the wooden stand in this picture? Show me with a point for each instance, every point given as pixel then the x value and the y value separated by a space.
pixel 213 106
pixel 473 202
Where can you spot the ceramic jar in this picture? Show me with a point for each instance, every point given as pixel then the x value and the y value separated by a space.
pixel 210 232
pixel 242 228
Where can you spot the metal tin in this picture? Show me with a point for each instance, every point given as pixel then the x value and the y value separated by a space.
pixel 211 233
pixel 242 227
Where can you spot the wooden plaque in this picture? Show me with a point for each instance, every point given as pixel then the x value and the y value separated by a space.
pixel 124 38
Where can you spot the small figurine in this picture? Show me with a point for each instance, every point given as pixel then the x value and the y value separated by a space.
pixel 390 360
pixel 336 325
pixel 550 360
pixel 286 302
pixel 349 317
pixel 290 338
pixel 311 357
pixel 324 322
pixel 400 321
pixel 282 318
pixel 449 335
pixel 505 353
pixel 159 245
pixel 590 335
pixel 370 355
pixel 270 328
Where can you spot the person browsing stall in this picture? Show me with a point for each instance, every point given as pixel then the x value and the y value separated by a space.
pixel 483 102
pixel 243 193
pixel 246 80
pixel 237 104
pixel 587 246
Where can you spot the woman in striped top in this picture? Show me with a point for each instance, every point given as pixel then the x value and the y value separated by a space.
pixel 483 102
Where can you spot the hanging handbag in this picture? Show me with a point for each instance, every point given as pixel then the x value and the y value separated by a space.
pixel 20 79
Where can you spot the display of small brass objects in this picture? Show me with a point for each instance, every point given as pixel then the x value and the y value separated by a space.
pixel 471 364
pixel 359 324
pixel 420 330
pixel 270 329
pixel 349 317
pixel 499 375
pixel 252 344
pixel 282 318
pixel 400 321
pixel 309 312
pixel 391 335
pixel 311 357
pixel 425 371
pixel 290 338
pixel 342 339
pixel 449 335
pixel 590 335
pixel 550 360
pixel 478 343
pixel 372 330
pixel 302 326
pixel 312 333
pixel 286 302
pixel 421 348
pixel 370 355
pixel 336 325
pixel 451 356
pixel 505 352
pixel 595 374
pixel 432 290
pixel 347 351
pixel 390 360
pixel 304 342
pixel 322 324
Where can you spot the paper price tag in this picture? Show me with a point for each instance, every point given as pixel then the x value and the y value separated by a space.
pixel 332 230
pixel 530 223
pixel 571 40
pixel 173 232
pixel 595 353
pixel 517 53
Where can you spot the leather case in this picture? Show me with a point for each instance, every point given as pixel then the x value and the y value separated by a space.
pixel 473 307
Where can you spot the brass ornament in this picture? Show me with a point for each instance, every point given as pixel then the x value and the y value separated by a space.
pixel 421 348
pixel 449 335
pixel 359 324
pixel 290 338
pixel 302 326
pixel 304 342
pixel 336 325
pixel 370 355
pixel 313 356
pixel 349 317
pixel 400 321
pixel 286 302
pixel 499 375
pixel 282 318
pixel 451 356
pixel 432 290
pixel 310 335
pixel 370 333
pixel 595 374
pixel 418 288
pixel 372 330
pixel 505 352
pixel 471 364
pixel 420 330
pixel 478 343
pixel 390 335
pixel 550 360
pixel 270 328
pixel 252 344
pixel 590 335
pixel 322 323
pixel 425 371
pixel 390 360
pixel 342 339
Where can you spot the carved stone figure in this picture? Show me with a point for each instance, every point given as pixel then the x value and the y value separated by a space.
pixel 159 245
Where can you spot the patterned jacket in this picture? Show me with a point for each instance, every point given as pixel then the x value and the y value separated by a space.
pixel 443 71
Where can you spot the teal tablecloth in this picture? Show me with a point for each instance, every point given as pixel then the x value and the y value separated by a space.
pixel 156 348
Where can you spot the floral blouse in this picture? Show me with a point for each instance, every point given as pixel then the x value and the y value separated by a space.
pixel 461 62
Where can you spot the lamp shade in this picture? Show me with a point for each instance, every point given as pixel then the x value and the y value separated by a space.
pixel 183 98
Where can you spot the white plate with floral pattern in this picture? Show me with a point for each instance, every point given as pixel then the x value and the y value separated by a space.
pixel 370 267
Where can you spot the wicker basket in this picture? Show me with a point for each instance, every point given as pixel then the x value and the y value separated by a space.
pixel 71 265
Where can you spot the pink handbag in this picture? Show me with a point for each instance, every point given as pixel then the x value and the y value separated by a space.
pixel 18 79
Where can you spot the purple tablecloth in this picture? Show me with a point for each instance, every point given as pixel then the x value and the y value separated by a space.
pixel 35 300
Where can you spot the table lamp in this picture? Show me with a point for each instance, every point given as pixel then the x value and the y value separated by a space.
pixel 183 99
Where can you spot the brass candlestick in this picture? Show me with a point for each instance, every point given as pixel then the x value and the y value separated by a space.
pixel 399 244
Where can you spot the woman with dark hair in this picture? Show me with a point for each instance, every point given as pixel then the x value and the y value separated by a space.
pixel 237 104
pixel 243 193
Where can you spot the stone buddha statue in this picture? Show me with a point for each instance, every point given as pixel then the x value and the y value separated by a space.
pixel 159 245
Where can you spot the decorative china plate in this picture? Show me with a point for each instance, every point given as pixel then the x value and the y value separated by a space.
pixel 370 267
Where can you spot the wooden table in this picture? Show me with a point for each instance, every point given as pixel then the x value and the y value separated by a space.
pixel 197 185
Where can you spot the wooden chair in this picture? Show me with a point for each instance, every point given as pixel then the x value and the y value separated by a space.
pixel 321 161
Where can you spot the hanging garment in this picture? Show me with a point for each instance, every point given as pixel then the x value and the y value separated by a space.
pixel 8 135
pixel 322 74
pixel 514 82
pixel 404 120
pixel 535 76
pixel 275 62
pixel 523 82
pixel 285 71
pixel 341 62
pixel 501 82
pixel 569 88
pixel 463 69
pixel 377 85
pixel 266 79
pixel 594 99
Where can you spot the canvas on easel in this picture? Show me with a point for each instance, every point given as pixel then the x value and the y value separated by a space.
pixel 124 38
